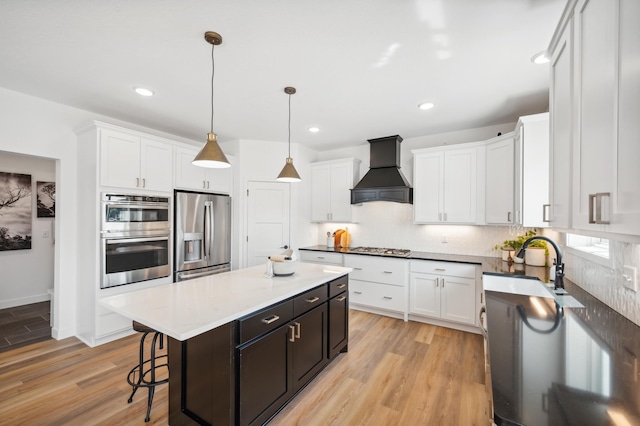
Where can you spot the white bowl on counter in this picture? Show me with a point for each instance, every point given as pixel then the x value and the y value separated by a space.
pixel 284 268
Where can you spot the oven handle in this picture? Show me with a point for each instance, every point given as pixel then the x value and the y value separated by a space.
pixel 135 240
pixel 139 205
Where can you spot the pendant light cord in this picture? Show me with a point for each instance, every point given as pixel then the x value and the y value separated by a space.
pixel 289 138
pixel 212 73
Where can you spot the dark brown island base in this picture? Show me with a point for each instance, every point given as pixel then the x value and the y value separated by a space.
pixel 245 371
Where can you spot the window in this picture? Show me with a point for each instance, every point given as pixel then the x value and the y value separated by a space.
pixel 591 248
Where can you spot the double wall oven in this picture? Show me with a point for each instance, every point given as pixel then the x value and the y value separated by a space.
pixel 135 238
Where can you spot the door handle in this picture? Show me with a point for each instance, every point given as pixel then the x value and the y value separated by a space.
pixel 285 247
pixel 298 330
pixel 545 213
pixel 292 329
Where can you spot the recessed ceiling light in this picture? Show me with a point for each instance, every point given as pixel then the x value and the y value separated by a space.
pixel 314 129
pixel 143 92
pixel 425 105
pixel 540 58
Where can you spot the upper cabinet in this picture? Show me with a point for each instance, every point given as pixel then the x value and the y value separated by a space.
pixel 532 171
pixel 133 162
pixel 601 124
pixel 500 184
pixel 188 176
pixel 331 182
pixel 446 184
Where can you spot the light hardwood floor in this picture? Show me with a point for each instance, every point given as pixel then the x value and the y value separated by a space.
pixel 395 373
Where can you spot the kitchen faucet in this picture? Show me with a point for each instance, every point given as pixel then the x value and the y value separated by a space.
pixel 559 280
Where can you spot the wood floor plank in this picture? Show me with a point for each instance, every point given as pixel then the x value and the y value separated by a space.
pixel 395 373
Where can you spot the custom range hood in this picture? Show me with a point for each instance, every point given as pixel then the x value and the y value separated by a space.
pixel 384 181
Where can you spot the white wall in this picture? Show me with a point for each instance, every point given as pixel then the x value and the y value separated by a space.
pixel 28 274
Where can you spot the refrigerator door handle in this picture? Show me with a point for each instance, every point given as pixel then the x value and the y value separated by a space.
pixel 212 229
pixel 207 225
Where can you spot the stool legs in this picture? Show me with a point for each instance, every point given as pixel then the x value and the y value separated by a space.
pixel 141 372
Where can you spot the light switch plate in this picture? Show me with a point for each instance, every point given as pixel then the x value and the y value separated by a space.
pixel 629 277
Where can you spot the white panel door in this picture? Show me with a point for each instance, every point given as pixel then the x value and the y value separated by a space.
pixel 341 181
pixel 119 160
pixel 428 172
pixel 187 175
pixel 500 182
pixel 320 192
pixel 156 165
pixel 424 298
pixel 460 186
pixel 267 220
pixel 458 301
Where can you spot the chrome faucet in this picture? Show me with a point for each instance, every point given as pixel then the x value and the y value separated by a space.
pixel 559 279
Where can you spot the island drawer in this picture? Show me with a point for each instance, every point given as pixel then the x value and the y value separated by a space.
pixel 309 300
pixel 264 321
pixel 338 286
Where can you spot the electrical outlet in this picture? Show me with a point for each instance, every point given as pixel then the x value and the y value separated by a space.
pixel 629 277
pixel 444 239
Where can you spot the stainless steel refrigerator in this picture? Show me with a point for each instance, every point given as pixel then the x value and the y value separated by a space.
pixel 202 234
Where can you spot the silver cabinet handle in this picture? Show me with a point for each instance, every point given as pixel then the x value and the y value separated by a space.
pixel 440 217
pixel 292 329
pixel 271 319
pixel 320 257
pixel 387 272
pixel 595 209
pixel 144 183
pixel 440 269
pixel 508 216
pixel 204 184
pixel 545 212
pixel 445 216
pixel 437 282
pixel 137 182
pixel 341 285
pixel 357 269
pixel 298 329
pixel 341 298
pixel 442 281
pixel 357 292
pixel 387 297
pixel 312 300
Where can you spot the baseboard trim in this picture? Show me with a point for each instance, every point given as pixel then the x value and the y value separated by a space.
pixel 4 304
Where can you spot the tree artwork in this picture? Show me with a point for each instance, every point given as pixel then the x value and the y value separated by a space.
pixel 46 199
pixel 15 211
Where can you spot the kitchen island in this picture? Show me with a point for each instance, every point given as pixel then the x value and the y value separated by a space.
pixel 242 345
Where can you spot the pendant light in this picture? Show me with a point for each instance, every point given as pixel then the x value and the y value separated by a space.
pixel 289 173
pixel 211 155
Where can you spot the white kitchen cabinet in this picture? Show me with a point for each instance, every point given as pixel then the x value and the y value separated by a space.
pixel 378 284
pixel 532 171
pixel 188 176
pixel 601 39
pixel 500 180
pixel 331 182
pixel 443 290
pixel 560 123
pixel 446 184
pixel 323 257
pixel 133 162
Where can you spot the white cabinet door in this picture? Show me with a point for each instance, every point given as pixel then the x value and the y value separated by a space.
pixel 341 183
pixel 119 160
pixel 560 122
pixel 460 186
pixel 424 295
pixel 220 180
pixel 458 299
pixel 156 165
pixel 500 181
pixel 626 207
pixel 594 150
pixel 188 176
pixel 428 187
pixel 320 192
pixel 532 171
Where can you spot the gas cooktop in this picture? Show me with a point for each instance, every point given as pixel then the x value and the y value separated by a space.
pixel 381 251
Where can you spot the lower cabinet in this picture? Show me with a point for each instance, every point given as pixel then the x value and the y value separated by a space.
pixel 338 316
pixel 443 290
pixel 274 367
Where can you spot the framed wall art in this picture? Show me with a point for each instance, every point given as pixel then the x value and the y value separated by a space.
pixel 15 211
pixel 46 199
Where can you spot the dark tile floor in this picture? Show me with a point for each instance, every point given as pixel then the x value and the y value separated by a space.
pixel 23 325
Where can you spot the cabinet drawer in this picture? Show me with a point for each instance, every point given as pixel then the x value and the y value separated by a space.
pixel 376 269
pixel 376 295
pixel 321 257
pixel 464 270
pixel 339 285
pixel 309 300
pixel 264 321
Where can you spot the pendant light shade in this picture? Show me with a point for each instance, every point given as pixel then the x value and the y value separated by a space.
pixel 289 172
pixel 211 154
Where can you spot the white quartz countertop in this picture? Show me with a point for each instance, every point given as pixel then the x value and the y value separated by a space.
pixel 189 308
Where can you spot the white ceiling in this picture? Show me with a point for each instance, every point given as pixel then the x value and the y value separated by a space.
pixel 361 67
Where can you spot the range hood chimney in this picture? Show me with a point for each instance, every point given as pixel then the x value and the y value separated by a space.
pixel 384 181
